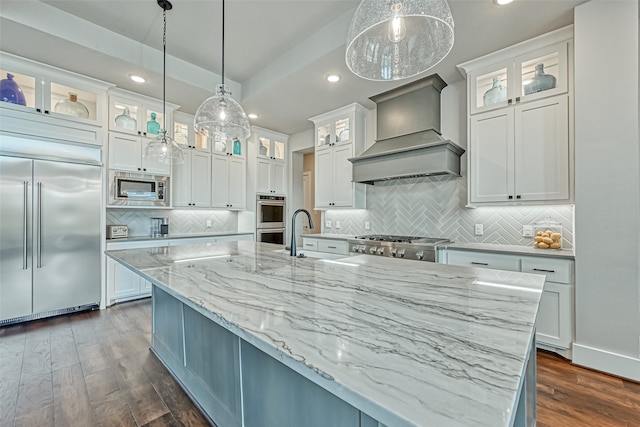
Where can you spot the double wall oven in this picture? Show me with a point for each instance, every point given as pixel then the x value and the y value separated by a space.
pixel 271 223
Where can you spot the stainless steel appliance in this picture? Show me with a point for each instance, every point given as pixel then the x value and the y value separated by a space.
pixel 132 189
pixel 160 226
pixel 408 247
pixel 270 211
pixel 50 237
pixel 117 231
pixel 270 219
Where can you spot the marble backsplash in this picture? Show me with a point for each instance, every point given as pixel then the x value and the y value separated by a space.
pixel 180 221
pixel 435 207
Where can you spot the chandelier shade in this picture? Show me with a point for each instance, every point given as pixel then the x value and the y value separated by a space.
pixel 221 115
pixel 398 39
pixel 163 148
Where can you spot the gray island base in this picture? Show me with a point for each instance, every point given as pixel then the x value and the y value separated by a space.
pixel 262 339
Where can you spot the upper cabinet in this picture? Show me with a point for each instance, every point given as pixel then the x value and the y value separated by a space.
pixel 339 135
pixel 271 161
pixel 520 123
pixel 137 115
pixel 185 135
pixel 41 100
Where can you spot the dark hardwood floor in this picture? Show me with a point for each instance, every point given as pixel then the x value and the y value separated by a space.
pixel 95 369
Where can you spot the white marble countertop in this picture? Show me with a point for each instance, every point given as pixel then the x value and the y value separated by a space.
pixel 176 236
pixel 409 343
pixel 510 249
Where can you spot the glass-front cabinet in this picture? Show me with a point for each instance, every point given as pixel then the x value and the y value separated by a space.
pixel 334 131
pixel 272 147
pixel 37 88
pixel 537 74
pixel 186 136
pixel 136 114
pixel 270 160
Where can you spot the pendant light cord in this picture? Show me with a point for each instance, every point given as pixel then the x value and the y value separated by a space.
pixel 164 74
pixel 223 91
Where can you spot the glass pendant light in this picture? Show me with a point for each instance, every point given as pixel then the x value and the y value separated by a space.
pixel 220 114
pixel 398 39
pixel 163 148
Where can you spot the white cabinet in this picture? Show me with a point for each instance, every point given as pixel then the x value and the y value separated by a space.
pixel 126 153
pixel 185 135
pixel 554 324
pixel 339 135
pixel 57 104
pixel 521 153
pixel 144 115
pixel 271 161
pixel 521 143
pixel 331 246
pixel 228 182
pixel 191 180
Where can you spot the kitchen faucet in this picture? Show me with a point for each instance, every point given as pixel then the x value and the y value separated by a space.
pixel 292 251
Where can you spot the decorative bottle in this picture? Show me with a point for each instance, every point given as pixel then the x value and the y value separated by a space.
pixel 237 147
pixel 153 127
pixel 540 82
pixel 125 120
pixel 496 94
pixel 71 107
pixel 11 92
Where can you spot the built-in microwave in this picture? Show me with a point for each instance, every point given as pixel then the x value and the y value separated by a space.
pixel 132 189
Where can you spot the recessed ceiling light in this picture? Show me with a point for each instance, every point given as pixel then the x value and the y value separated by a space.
pixel 332 78
pixel 502 2
pixel 137 79
pixel 252 116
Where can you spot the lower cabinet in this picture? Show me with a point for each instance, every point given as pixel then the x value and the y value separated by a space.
pixel 554 324
pixel 235 383
pixel 340 247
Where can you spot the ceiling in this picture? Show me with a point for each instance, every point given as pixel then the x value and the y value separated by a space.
pixel 277 53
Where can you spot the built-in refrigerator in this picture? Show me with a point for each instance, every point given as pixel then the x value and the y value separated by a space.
pixel 49 237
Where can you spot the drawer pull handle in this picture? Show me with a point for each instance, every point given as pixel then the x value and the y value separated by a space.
pixel 542 269
pixel 479 263
pixel 332 247
pixel 309 244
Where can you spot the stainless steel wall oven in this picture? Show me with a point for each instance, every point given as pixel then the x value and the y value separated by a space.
pixel 271 222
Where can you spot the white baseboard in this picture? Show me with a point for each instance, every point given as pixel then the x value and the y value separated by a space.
pixel 606 361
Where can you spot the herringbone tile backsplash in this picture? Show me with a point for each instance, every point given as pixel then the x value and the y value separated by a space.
pixel 180 221
pixel 435 207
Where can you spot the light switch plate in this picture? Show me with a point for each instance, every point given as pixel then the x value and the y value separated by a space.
pixel 527 230
pixel 327 223
pixel 337 224
pixel 479 229
pixel 208 223
pixel 367 225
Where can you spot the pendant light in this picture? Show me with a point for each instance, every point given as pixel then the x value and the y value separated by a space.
pixel 220 115
pixel 163 148
pixel 398 39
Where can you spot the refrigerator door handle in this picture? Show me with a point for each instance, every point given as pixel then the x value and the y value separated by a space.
pixel 39 231
pixel 25 219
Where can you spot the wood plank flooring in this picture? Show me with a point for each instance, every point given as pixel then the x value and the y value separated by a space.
pixel 95 369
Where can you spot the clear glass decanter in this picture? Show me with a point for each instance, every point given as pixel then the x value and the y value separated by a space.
pixel 540 82
pixel 71 107
pixel 496 94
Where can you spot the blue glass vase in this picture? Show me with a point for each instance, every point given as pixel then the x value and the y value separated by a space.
pixel 496 94
pixel 10 91
pixel 540 82
pixel 237 147
pixel 153 127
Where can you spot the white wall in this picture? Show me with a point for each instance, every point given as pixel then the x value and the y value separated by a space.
pixel 607 178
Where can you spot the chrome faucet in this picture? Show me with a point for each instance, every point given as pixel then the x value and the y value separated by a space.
pixel 292 250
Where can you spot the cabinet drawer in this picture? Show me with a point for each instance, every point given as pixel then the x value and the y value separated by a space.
pixel 483 260
pixel 556 270
pixel 310 244
pixel 333 246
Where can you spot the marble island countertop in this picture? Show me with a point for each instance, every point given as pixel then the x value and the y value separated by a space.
pixel 409 343
pixel 177 236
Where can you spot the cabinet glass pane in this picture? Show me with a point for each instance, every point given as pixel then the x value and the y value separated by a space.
pixel 154 121
pixel 342 130
pixel 491 88
pixel 264 149
pixel 120 118
pixel 278 150
pixel 62 101
pixel 202 139
pixel 540 74
pixel 181 133
pixel 219 144
pixel 324 134
pixel 26 83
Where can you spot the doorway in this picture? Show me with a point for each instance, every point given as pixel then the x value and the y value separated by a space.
pixel 308 193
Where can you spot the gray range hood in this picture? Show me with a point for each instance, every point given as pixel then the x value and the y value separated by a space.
pixel 409 142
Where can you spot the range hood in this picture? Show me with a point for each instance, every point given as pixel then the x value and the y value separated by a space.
pixel 409 142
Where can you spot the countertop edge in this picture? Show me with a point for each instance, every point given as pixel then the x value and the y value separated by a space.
pixel 510 250
pixel 177 236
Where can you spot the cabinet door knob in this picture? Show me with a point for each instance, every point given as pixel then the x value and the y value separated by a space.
pixel 517 99
pixel 139 168
pixel 509 101
pixel 46 111
pixel 510 197
pixel 38 110
pixel 139 133
pixel 518 196
pixel 145 169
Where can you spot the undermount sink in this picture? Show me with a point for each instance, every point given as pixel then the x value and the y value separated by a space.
pixel 312 254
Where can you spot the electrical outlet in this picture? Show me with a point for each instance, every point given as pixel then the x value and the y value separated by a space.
pixel 527 231
pixel 337 224
pixel 327 223
pixel 367 225
pixel 479 229
pixel 208 223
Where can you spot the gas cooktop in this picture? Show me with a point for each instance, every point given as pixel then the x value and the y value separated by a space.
pixel 409 247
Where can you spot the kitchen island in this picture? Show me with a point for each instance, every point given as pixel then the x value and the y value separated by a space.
pixel 259 338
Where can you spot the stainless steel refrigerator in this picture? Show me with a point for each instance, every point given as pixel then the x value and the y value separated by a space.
pixel 49 237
